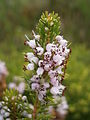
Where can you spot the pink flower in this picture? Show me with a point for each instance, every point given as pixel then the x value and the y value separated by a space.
pixel 30 66
pixel 47 67
pixel 40 63
pixel 57 59
pixel 37 37
pixel 35 86
pixel 46 85
pixel 57 90
pixel 59 38
pixel 35 78
pixel 34 59
pixel 21 87
pixel 40 71
pixel 50 47
pixel 54 81
pixel 47 55
pixel 52 73
pixel 59 70
pixel 31 43
pixel 39 50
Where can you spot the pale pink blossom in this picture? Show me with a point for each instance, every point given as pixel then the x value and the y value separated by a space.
pixel 21 87
pixel 40 71
pixel 39 50
pixel 30 66
pixel 31 43
pixel 34 59
pixel 57 90
pixel 58 59
pixel 40 63
pixel 12 85
pixel 35 86
pixel 29 55
pixel 50 47
pixel 35 78
pixel 37 37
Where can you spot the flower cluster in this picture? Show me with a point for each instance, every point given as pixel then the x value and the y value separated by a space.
pixel 61 109
pixel 48 64
pixel 18 104
pixel 4 112
pixel 17 84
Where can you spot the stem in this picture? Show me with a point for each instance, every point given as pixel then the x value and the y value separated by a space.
pixel 35 109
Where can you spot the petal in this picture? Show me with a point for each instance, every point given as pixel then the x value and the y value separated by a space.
pixel 30 66
pixel 40 71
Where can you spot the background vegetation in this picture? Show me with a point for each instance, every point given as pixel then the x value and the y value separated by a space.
pixel 19 17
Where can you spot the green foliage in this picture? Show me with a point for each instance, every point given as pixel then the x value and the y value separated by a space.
pixel 15 103
pixel 48 27
pixel 77 82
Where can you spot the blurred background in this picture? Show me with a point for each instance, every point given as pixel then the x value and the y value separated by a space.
pixel 19 17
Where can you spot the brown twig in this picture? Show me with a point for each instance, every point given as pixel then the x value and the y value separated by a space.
pixel 35 109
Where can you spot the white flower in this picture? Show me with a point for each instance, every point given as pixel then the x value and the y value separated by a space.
pixel 2 111
pixel 50 47
pixel 21 87
pixel 54 90
pixel 51 24
pixel 47 67
pixel 29 115
pixel 40 63
pixel 35 78
pixel 52 73
pixel 47 55
pixel 39 50
pixel 35 86
pixel 63 43
pixel 34 59
pixel 58 59
pixel 29 55
pixel 6 114
pixel 37 37
pixel 8 119
pixel 66 52
pixel 59 38
pixel 54 81
pixel 31 43
pixel 31 58
pixel 46 85
pixel 40 71
pixel 46 29
pixel 24 98
pixel 12 85
pixel 50 109
pixel 30 66
pixel 62 108
pixel 57 90
pixel 1 117
pixel 42 94
pixel 59 70
pixel 31 106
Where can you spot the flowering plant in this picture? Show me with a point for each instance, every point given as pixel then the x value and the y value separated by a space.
pixel 45 66
pixel 47 59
